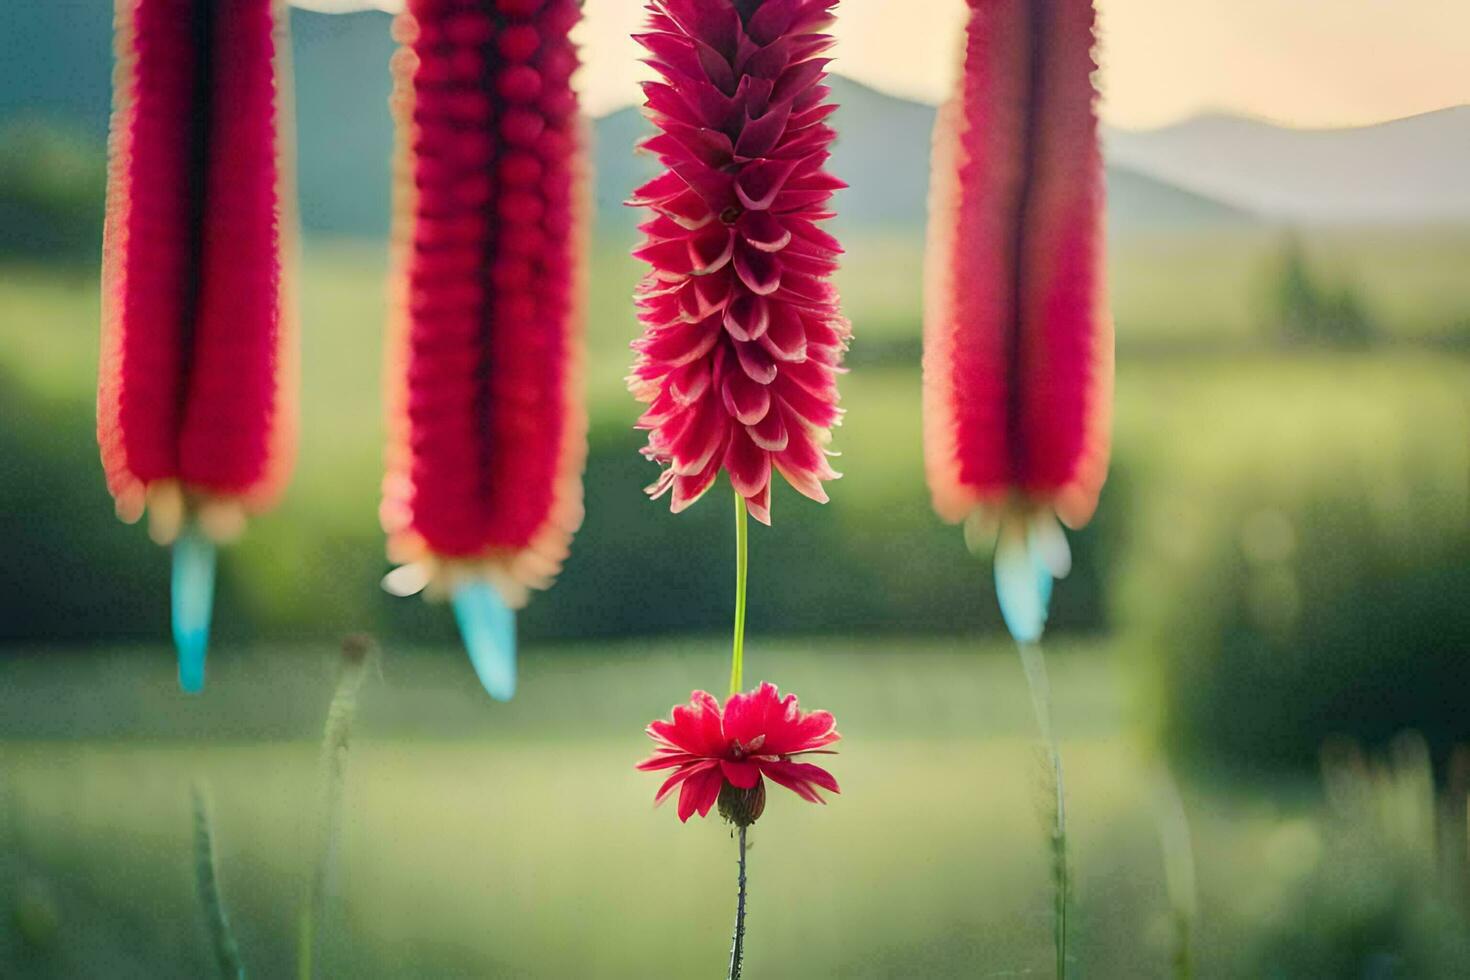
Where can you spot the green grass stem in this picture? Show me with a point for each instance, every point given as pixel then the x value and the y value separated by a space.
pixel 1034 666
pixel 357 651
pixel 1177 848
pixel 206 880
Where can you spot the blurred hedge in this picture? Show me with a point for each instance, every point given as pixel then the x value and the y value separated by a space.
pixel 1312 604
pixel 311 569
pixel 52 182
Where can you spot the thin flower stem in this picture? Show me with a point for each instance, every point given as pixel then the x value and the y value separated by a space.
pixel 206 882
pixel 737 944
pixel 742 552
pixel 357 652
pixel 1036 680
pixel 1179 871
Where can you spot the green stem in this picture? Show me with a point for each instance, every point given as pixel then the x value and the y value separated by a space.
pixel 206 883
pixel 357 652
pixel 1036 680
pixel 742 554
pixel 1179 872
pixel 737 944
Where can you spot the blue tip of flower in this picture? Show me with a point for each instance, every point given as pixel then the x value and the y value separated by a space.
pixel 193 602
pixel 488 627
pixel 1023 584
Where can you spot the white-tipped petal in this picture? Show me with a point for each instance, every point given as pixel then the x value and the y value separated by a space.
pixel 407 580
pixel 1048 543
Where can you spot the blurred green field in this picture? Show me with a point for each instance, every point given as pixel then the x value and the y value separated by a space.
pixel 1215 399
pixel 519 841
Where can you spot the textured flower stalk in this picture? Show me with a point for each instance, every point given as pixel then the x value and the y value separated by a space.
pixel 743 337
pixel 1018 346
pixel 488 434
pixel 1018 358
pixel 196 390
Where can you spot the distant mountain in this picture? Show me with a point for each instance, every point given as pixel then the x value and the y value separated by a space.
pixel 882 151
pixel 344 133
pixel 1409 171
pixel 1140 203
pixel 56 63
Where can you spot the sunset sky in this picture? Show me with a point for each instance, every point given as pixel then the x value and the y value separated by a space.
pixel 1302 62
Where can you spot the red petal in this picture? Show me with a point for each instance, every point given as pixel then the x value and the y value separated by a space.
pixel 749 465
pixel 700 792
pixel 666 758
pixel 761 180
pixel 748 401
pixel 804 465
pixel 687 209
pixel 756 362
pixel 799 77
pixel 688 383
pixel 765 231
pixel 741 775
pixel 759 136
pixel 711 249
pixel 688 489
pixel 802 778
pixel 664 187
pixel 779 722
pixel 679 343
pixel 679 777
pixel 747 316
pixel 695 727
pixel 760 271
pixel 786 339
pixel 771 20
pixel 717 24
pixel 759 506
pixel 700 439
pixel 770 432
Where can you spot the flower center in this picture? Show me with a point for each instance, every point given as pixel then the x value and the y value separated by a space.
pixel 739 751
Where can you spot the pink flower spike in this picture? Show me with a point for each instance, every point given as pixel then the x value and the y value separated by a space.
pixel 197 376
pixel 739 294
pixel 487 426
pixel 724 754
pixel 1018 341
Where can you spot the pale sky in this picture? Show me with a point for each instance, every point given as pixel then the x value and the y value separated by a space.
pixel 1301 62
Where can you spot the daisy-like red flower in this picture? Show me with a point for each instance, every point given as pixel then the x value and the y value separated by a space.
pixel 722 754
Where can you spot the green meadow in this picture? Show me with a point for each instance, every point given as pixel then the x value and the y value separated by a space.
pixel 1208 622
pixel 519 841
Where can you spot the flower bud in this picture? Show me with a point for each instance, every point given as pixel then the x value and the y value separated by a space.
pixel 743 807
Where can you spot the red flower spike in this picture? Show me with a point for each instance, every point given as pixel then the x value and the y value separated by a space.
pixel 743 337
pixel 197 381
pixel 487 428
pixel 753 737
pixel 1018 358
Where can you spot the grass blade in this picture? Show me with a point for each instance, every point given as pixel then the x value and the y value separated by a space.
pixel 357 651
pixel 1179 872
pixel 1036 681
pixel 206 881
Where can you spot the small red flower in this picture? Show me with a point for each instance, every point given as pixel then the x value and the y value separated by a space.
pixel 755 735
